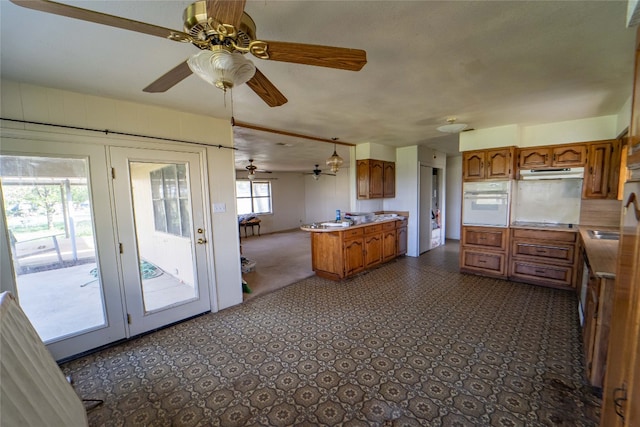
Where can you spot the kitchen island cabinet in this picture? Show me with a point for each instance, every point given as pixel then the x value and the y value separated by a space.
pixel 341 252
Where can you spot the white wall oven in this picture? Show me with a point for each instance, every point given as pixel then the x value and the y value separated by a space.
pixel 486 203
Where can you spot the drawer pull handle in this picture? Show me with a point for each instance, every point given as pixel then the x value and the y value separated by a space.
pixel 481 261
pixel 540 271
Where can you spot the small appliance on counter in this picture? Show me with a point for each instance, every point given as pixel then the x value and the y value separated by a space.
pixel 359 217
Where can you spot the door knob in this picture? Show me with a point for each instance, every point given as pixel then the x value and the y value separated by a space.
pixel 202 241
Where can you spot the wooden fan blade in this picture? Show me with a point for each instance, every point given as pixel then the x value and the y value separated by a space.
pixel 226 11
pixel 170 78
pixel 266 90
pixel 321 56
pixel 100 18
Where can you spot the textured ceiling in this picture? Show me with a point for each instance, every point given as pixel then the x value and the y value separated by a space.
pixel 489 63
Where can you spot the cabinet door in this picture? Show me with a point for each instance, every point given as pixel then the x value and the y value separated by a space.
pixel 473 165
pixel 376 179
pixel 573 156
pixel 362 173
pixel 353 256
pixel 389 245
pixel 534 158
pixel 372 250
pixel 499 164
pixel 596 183
pixel 401 243
pixel 389 179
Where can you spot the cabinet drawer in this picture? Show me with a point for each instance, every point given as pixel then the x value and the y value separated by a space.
pixel 556 236
pixel 401 223
pixel 541 273
pixel 494 238
pixel 356 232
pixel 551 252
pixel 391 225
pixel 372 229
pixel 483 262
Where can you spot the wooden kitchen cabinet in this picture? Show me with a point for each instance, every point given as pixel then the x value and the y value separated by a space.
pixel 401 237
pixel 543 257
pixel 484 251
pixel 343 253
pixel 552 157
pixel 596 327
pixel 375 179
pixel 601 174
pixel 372 245
pixel 488 164
pixel 389 237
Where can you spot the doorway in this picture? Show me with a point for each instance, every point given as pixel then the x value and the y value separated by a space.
pixel 82 268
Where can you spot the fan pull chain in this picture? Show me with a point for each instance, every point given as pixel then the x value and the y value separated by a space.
pixel 233 120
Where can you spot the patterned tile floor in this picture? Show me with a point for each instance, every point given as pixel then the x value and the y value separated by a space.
pixel 413 342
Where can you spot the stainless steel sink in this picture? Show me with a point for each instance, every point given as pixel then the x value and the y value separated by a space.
pixel 604 235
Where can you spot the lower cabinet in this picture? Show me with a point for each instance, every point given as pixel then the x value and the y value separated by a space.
pixel 543 257
pixel 339 254
pixel 595 332
pixel 484 250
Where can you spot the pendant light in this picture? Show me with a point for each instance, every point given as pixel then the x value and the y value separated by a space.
pixel 335 161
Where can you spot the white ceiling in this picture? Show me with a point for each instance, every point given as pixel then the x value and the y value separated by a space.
pixel 488 63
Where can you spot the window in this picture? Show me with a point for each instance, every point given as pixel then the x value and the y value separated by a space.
pixel 253 197
pixel 170 195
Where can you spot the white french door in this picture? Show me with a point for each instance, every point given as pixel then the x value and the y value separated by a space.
pixel 56 208
pixel 159 200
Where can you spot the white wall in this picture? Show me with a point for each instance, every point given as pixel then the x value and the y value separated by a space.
pixel 454 197
pixel 623 120
pixel 375 151
pixel 33 103
pixel 407 179
pixel 324 196
pixel 583 130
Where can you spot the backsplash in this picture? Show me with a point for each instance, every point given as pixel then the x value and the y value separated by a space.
pixel 605 213
pixel 554 201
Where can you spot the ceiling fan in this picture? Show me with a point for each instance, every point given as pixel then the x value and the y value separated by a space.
pixel 224 33
pixel 253 169
pixel 317 172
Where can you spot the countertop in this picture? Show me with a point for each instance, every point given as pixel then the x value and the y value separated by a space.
pixel 602 254
pixel 319 228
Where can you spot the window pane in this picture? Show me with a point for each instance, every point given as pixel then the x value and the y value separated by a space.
pixel 243 188
pixel 183 187
pixel 185 216
pixel 156 184
pixel 244 206
pixel 261 189
pixel 262 205
pixel 170 182
pixel 159 215
pixel 173 216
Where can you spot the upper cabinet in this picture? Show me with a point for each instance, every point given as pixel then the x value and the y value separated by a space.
pixel 602 170
pixel 488 164
pixel 376 179
pixel 552 157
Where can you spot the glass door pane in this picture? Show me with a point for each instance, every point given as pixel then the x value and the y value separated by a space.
pixel 159 199
pixel 47 206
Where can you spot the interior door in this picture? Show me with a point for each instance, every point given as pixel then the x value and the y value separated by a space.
pixel 159 199
pixel 426 182
pixel 55 209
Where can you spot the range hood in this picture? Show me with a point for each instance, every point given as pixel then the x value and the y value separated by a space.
pixel 558 173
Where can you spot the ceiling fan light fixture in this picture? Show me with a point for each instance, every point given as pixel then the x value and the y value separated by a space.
pixel 251 176
pixel 335 161
pixel 452 126
pixel 221 68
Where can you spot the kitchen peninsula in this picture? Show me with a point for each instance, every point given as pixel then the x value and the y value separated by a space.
pixel 340 250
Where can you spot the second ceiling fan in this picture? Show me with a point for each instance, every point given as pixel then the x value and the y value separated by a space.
pixel 223 32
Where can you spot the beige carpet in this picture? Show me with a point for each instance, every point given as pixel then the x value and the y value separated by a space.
pixel 281 259
pixel 411 343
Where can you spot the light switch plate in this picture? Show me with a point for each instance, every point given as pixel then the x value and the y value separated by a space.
pixel 219 207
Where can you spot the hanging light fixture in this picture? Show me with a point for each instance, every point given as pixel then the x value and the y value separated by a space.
pixel 335 161
pixel 221 68
pixel 452 126
pixel 251 176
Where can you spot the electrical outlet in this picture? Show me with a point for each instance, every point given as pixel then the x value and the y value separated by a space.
pixel 219 207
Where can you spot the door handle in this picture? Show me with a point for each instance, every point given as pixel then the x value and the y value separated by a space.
pixel 618 401
pixel 201 241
